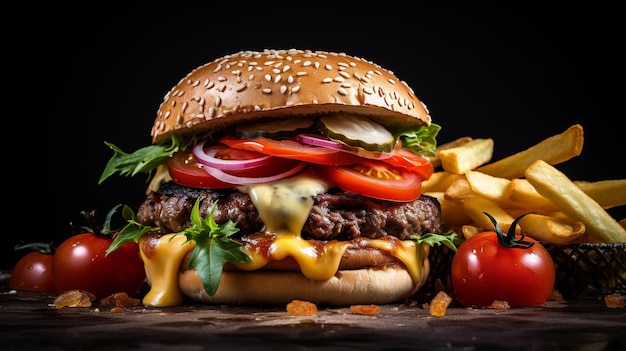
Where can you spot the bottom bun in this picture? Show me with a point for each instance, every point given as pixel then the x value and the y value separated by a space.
pixel 376 285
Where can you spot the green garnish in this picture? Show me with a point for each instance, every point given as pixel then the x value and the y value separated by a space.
pixel 213 247
pixel 449 239
pixel 131 232
pixel 421 141
pixel 143 160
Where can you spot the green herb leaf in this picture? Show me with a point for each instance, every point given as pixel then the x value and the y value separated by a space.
pixel 450 239
pixel 421 141
pixel 131 232
pixel 143 160
pixel 213 247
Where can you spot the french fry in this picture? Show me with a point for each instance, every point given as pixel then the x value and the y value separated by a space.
pixel 435 161
pixel 458 190
pixel 556 186
pixel 607 193
pixel 475 206
pixel 522 192
pixel 452 213
pixel 492 188
pixel 549 229
pixel 464 158
pixel 553 150
pixel 439 181
pixel 469 230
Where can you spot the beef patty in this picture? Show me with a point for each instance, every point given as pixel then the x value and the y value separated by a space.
pixel 334 216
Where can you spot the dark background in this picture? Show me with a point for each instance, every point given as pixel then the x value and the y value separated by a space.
pixel 76 77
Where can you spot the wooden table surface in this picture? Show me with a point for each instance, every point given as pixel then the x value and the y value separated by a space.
pixel 29 321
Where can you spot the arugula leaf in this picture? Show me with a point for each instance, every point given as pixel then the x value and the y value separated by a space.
pixel 143 160
pixel 213 247
pixel 421 141
pixel 449 239
pixel 131 232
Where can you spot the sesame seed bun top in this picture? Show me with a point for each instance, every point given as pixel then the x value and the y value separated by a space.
pixel 251 85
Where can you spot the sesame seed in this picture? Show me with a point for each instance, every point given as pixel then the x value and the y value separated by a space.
pixel 368 90
pixel 327 80
pixel 211 112
pixel 344 74
pixel 167 114
pixel 266 90
pixel 241 88
pixel 277 78
pixel 342 91
pixel 328 67
pixel 218 101
pixel 268 77
pixel 295 89
pixel 283 89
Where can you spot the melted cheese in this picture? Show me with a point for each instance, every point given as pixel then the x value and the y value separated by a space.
pixel 284 207
pixel 162 265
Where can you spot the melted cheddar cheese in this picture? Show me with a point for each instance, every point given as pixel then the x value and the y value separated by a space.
pixel 284 207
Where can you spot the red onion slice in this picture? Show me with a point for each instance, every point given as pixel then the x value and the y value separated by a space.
pixel 207 158
pixel 235 180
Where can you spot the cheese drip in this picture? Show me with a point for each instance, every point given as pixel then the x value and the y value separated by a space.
pixel 162 258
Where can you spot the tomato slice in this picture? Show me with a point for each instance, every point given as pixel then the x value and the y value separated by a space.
pixel 291 149
pixel 414 163
pixel 185 171
pixel 376 179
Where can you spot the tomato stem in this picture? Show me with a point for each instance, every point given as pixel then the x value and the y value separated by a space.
pixel 509 240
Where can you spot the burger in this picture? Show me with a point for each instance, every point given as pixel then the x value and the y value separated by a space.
pixel 284 175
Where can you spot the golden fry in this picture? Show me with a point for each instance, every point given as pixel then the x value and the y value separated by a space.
pixel 439 181
pixel 464 158
pixel 458 190
pixel 475 206
pixel 492 188
pixel 556 186
pixel 524 195
pixel 452 213
pixel 469 230
pixel 549 229
pixel 436 162
pixel 607 193
pixel 553 150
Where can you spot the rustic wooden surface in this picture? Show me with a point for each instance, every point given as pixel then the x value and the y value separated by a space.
pixel 29 321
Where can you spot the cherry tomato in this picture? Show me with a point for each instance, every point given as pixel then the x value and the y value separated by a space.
pixel 33 272
pixel 80 263
pixel 519 270
pixel 376 179
pixel 293 150
pixel 185 171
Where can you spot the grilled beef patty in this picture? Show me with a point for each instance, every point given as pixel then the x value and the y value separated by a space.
pixel 334 216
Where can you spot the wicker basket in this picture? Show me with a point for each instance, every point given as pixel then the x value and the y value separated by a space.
pixel 583 271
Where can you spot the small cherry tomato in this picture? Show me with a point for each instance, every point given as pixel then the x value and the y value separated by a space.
pixel 80 262
pixel 492 266
pixel 33 272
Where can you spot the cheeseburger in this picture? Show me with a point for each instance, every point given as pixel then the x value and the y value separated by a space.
pixel 283 175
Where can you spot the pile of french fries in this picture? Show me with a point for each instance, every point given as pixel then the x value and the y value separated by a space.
pixel 560 210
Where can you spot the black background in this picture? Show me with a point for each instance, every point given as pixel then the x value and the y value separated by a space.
pixel 75 77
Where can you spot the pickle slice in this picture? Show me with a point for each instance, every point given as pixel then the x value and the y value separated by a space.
pixel 357 131
pixel 275 129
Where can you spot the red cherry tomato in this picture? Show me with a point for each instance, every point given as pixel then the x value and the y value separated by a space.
pixel 484 270
pixel 80 263
pixel 33 272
